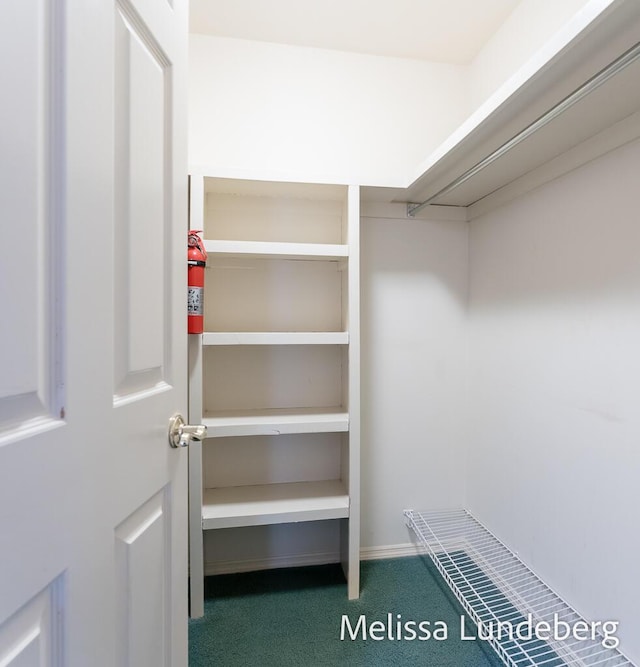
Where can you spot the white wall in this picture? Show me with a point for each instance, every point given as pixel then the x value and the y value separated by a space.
pixel 554 463
pixel 273 111
pixel 414 365
pixel 281 112
pixel 528 27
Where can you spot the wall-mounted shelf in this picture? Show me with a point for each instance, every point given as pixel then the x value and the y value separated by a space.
pixel 481 156
pixel 274 503
pixel 276 421
pixel 310 251
pixel 276 338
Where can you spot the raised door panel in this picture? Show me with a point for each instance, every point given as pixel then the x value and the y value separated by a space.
pixel 30 191
pixel 143 585
pixel 142 170
pixel 32 637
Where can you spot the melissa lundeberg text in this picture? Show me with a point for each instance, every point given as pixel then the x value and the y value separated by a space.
pixel 395 628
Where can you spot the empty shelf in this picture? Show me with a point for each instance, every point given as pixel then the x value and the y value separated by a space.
pixel 276 421
pixel 321 251
pixel 498 592
pixel 274 503
pixel 275 338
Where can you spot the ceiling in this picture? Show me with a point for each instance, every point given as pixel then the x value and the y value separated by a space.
pixel 450 31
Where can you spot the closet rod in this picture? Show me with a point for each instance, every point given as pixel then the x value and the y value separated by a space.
pixel 613 68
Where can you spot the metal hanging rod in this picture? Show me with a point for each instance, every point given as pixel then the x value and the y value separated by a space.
pixel 613 68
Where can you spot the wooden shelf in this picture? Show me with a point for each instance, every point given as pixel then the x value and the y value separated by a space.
pixel 593 39
pixel 276 422
pixel 274 503
pixel 277 250
pixel 275 338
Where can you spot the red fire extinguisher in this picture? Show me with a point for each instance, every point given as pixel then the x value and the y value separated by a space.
pixel 196 260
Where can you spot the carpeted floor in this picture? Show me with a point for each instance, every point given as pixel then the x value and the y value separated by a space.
pixel 282 618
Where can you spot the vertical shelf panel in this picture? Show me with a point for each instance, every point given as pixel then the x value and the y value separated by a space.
pixel 196 547
pixel 351 559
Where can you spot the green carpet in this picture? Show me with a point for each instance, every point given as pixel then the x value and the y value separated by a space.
pixel 290 617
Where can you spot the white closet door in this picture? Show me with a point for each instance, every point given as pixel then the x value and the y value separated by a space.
pixel 92 334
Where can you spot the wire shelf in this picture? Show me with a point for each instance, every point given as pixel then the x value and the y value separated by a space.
pixel 504 597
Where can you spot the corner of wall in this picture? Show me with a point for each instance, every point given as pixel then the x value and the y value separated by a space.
pixel 529 26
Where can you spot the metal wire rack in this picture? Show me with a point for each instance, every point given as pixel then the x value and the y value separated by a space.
pixel 509 604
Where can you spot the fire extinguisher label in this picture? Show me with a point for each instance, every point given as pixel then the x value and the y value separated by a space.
pixel 195 301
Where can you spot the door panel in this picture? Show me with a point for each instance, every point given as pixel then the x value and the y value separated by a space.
pixel 29 187
pixel 143 583
pixel 142 172
pixel 32 636
pixel 93 501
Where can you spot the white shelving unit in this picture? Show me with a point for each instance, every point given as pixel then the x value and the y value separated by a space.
pixel 279 359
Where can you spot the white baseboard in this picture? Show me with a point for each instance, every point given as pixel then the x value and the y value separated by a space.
pixel 298 560
pixel 391 551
